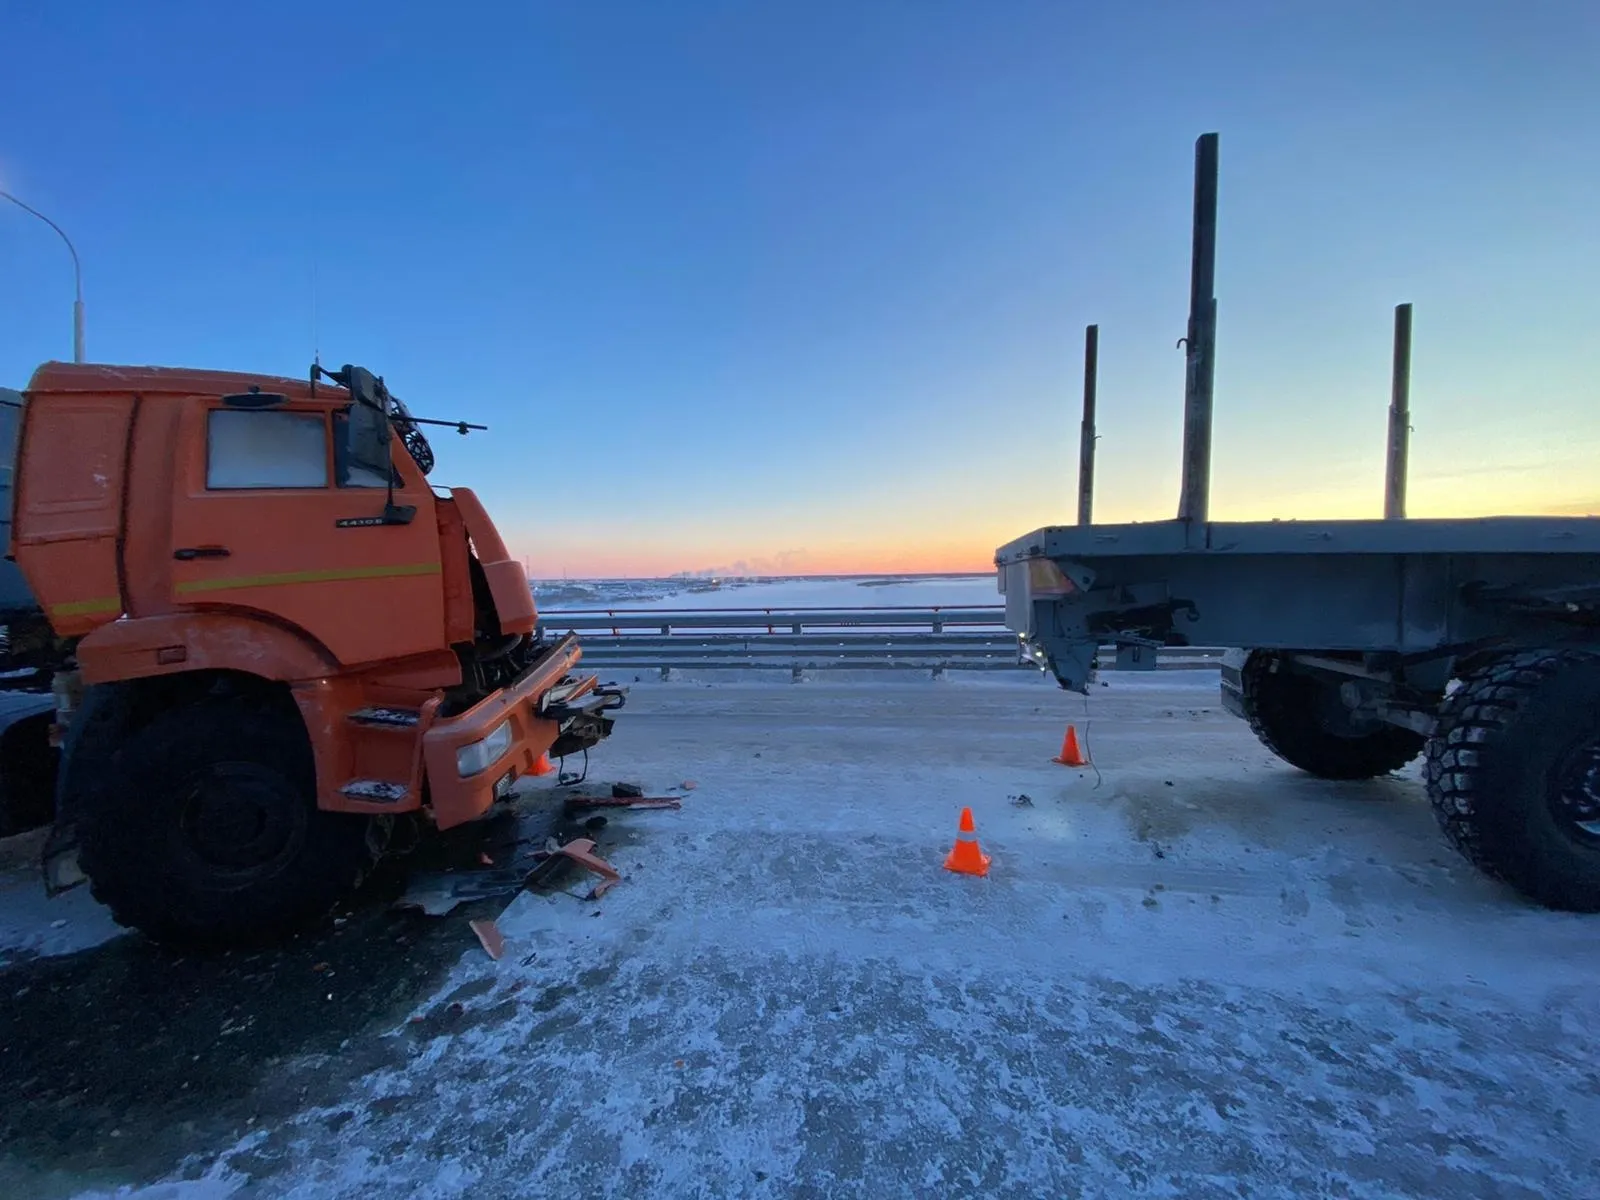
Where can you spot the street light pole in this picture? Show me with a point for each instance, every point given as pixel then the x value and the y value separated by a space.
pixel 77 275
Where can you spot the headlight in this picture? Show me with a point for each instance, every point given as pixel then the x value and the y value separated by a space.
pixel 479 756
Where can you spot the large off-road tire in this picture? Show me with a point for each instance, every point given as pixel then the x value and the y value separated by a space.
pixel 206 830
pixel 1513 773
pixel 1301 719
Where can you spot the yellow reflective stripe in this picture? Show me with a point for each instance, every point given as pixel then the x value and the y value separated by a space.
pixel 282 578
pixel 83 608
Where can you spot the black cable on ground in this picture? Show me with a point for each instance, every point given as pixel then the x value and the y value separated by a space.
pixel 1087 749
pixel 565 780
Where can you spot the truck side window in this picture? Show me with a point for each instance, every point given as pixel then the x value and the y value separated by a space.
pixel 253 449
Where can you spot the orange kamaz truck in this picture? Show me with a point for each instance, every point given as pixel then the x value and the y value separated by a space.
pixel 244 638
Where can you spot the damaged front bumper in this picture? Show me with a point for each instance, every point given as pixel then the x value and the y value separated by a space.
pixel 473 759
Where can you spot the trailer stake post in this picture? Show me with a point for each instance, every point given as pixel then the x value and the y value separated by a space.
pixel 1086 437
pixel 1394 479
pixel 1200 345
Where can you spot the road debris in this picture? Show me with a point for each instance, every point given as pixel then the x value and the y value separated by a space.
pixel 579 803
pixel 494 942
pixel 523 849
pixel 581 851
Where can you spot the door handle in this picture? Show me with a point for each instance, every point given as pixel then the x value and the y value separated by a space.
pixel 192 552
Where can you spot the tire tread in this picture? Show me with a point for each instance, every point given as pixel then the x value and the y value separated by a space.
pixel 346 849
pixel 1487 705
pixel 1290 732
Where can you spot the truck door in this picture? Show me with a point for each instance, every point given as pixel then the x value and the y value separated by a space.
pixel 267 518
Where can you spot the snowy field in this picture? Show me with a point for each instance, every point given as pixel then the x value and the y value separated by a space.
pixel 1192 972
pixel 880 592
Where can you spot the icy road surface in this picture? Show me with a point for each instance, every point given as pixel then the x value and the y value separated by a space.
pixel 1200 974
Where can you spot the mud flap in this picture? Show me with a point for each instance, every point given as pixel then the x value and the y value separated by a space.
pixel 60 859
pixel 101 716
pixel 1072 662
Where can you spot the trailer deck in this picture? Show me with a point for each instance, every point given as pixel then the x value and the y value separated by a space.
pixel 1360 644
pixel 1404 587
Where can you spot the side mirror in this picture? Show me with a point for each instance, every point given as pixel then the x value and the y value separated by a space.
pixel 370 440
pixel 369 444
pixel 362 385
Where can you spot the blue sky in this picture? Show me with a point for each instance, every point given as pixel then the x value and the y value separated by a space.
pixel 803 284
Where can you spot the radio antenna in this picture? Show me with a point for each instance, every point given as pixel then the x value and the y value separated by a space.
pixel 316 338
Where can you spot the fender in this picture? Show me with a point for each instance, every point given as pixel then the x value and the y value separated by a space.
pixel 141 647
pixel 508 582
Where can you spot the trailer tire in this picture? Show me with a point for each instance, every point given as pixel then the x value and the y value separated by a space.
pixel 1513 774
pixel 1298 717
pixel 207 831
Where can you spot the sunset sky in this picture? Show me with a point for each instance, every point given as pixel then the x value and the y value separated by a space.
pixel 802 285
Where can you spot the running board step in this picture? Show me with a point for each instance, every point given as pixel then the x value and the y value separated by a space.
pixel 377 791
pixel 396 718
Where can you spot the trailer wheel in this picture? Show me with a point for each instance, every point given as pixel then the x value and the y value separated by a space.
pixel 209 834
pixel 1302 720
pixel 1514 774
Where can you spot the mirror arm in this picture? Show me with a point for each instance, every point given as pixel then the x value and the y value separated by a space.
pixel 391 515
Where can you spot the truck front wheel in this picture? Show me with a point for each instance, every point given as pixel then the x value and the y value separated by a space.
pixel 206 830
pixel 1514 774
pixel 1301 718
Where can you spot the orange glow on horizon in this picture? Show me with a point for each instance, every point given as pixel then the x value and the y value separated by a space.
pixel 601 557
pixel 614 561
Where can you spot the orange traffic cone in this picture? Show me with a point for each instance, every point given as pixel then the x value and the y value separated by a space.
pixel 543 767
pixel 1070 755
pixel 965 858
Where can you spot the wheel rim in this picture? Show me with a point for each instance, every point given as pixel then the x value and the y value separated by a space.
pixel 1336 719
pixel 1576 800
pixel 240 817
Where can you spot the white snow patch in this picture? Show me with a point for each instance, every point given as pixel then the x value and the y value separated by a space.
pixel 218 1184
pixel 32 923
pixel 1194 972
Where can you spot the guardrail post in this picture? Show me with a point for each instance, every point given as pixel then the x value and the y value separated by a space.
pixel 666 674
pixel 798 676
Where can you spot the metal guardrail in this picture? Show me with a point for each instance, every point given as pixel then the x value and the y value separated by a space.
pixel 811 639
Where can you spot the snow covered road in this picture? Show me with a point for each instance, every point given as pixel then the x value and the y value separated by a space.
pixel 1194 972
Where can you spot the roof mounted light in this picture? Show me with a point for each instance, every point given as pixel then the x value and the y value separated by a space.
pixel 255 398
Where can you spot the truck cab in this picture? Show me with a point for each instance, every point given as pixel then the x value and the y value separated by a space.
pixel 247 593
